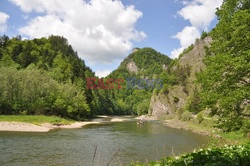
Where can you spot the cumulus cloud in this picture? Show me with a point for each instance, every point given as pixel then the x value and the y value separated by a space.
pixel 102 73
pixel 186 37
pixel 102 31
pixel 200 13
pixel 3 21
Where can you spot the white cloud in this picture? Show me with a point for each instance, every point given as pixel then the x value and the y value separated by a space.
pixel 200 14
pixel 3 21
pixel 100 30
pixel 102 73
pixel 186 37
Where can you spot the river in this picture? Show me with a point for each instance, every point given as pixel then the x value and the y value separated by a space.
pixel 116 143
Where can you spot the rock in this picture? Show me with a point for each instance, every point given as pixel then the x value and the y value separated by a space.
pixel 163 103
pixel 132 68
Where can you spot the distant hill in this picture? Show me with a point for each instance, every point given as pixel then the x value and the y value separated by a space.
pixel 142 63
pixel 43 76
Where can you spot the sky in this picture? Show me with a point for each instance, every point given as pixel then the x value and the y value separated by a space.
pixel 104 32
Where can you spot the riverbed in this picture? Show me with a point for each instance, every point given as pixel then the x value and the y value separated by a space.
pixel 117 143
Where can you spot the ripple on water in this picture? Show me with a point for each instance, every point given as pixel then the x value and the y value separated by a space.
pixel 134 142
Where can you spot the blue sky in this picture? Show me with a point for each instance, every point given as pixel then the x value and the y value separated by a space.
pixel 103 32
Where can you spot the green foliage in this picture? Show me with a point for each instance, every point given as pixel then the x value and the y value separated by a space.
pixel 156 91
pixel 207 51
pixel 186 116
pixel 142 108
pixel 179 113
pixel 32 91
pixel 7 61
pixel 62 69
pixel 187 50
pixel 43 76
pixel 165 89
pixel 233 155
pixel 181 73
pixel 200 117
pixel 176 99
pixel 194 103
pixel 168 78
pixel 53 55
pixel 149 61
pixel 150 64
pixel 225 81
pixel 204 35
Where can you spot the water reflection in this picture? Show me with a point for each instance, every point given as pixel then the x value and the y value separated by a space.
pixel 76 146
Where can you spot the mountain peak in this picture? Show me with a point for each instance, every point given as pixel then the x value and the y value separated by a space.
pixel 143 62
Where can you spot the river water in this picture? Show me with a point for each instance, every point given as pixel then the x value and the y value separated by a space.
pixel 117 143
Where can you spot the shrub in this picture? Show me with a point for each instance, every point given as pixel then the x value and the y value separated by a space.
pixel 156 91
pixel 142 108
pixel 182 73
pixel 207 51
pixel 165 89
pixel 204 34
pixel 228 155
pixel 179 113
pixel 194 104
pixel 186 116
pixel 200 117
pixel 185 90
pixel 187 50
pixel 176 99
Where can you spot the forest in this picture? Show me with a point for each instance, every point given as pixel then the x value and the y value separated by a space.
pixel 46 76
pixel 43 76
pixel 225 81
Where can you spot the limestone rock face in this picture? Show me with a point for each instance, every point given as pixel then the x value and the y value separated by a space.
pixel 165 104
pixel 159 106
pixel 178 95
pixel 132 68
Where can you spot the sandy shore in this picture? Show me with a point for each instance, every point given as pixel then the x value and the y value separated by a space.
pixel 146 118
pixel 23 127
pixel 45 127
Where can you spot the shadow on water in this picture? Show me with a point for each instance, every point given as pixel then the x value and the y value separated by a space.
pixel 117 143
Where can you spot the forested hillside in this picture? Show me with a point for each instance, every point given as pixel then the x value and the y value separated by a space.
pixel 179 93
pixel 226 79
pixel 43 76
pixel 216 86
pixel 145 63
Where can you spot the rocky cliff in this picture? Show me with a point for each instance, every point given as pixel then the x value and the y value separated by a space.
pixel 177 96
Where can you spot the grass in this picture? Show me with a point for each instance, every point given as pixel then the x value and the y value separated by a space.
pixel 235 136
pixel 226 155
pixel 207 125
pixel 216 152
pixel 35 119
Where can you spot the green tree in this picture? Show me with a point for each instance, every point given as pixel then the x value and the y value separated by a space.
pixel 225 81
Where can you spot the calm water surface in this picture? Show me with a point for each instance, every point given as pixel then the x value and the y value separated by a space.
pixel 68 147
